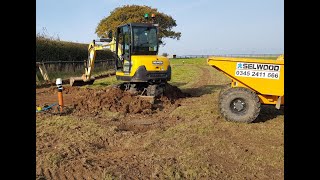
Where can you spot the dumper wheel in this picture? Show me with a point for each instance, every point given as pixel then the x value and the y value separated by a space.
pixel 224 88
pixel 239 105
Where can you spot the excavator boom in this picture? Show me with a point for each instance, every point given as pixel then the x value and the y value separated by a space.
pixel 87 78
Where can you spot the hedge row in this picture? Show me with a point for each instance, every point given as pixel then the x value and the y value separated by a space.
pixel 54 50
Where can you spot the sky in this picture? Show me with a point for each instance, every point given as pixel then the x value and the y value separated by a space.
pixel 208 27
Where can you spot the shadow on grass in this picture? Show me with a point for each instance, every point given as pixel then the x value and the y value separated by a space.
pixel 207 89
pixel 102 84
pixel 178 84
pixel 268 112
pixel 105 84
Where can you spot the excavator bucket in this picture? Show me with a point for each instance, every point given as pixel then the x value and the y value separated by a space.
pixel 148 98
pixel 80 81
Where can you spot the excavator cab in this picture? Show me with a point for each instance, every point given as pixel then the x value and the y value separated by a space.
pixel 137 46
pixel 134 40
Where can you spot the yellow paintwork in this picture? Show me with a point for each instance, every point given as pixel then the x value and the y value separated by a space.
pixel 111 45
pixel 268 90
pixel 269 99
pixel 92 48
pixel 146 60
pixel 136 60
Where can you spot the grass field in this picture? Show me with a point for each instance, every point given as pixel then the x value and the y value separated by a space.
pixel 201 145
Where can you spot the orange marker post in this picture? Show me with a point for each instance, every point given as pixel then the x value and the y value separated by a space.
pixel 60 96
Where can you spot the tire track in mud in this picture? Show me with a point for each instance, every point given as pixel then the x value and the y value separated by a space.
pixel 203 79
pixel 71 171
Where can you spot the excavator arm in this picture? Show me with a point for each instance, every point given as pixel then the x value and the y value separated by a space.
pixel 87 78
pixel 93 47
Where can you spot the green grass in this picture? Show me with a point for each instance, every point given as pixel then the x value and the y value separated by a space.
pixel 105 82
pixel 64 75
pixel 185 71
pixel 187 61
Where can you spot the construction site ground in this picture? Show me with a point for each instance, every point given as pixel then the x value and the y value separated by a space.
pixel 106 133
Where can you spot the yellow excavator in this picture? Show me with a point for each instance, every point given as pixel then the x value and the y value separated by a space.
pixel 137 63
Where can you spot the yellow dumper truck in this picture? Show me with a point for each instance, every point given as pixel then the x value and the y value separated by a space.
pixel 253 82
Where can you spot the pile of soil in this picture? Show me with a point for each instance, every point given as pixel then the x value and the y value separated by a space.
pixel 92 102
pixel 116 100
pixel 112 99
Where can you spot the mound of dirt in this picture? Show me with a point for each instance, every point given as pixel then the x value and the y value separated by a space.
pixel 92 102
pixel 113 99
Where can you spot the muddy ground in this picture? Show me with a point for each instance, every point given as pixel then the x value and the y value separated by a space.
pixel 106 133
pixel 130 112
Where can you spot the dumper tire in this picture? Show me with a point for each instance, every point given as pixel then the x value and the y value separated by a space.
pixel 224 88
pixel 239 105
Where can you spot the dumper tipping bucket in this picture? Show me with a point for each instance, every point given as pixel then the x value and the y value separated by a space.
pixel 79 81
pixel 265 76
pixel 253 82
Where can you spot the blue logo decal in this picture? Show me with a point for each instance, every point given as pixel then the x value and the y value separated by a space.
pixel 239 66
